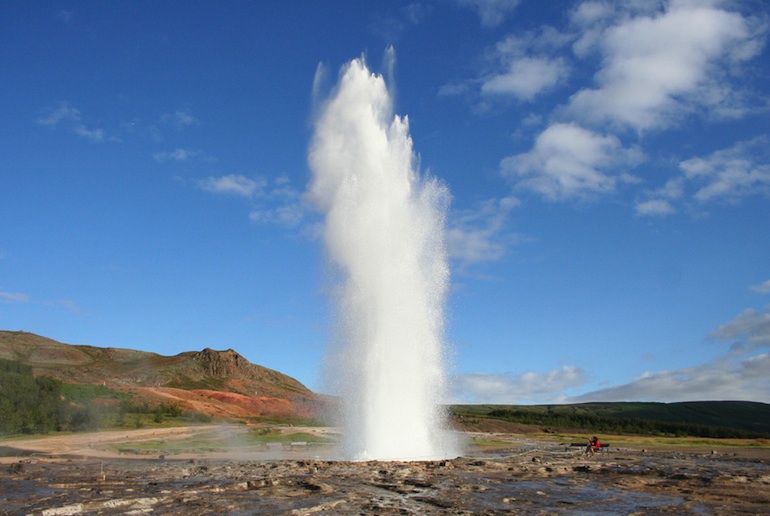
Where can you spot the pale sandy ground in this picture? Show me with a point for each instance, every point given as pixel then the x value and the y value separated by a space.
pixel 131 472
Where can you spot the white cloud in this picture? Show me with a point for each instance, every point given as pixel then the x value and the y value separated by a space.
pixel 654 207
pixel 656 67
pixel 181 118
pixel 290 214
pixel 526 77
pixel 283 205
pixel 234 184
pixel 476 236
pixel 653 64
pixel 728 175
pixel 492 12
pixel 570 161
pixel 660 201
pixel 751 327
pixel 63 112
pixel 174 155
pixel 733 173
pixel 721 379
pixel 70 118
pixel 13 297
pixel 70 306
pixel 740 374
pixel 762 288
pixel 524 66
pixel 522 388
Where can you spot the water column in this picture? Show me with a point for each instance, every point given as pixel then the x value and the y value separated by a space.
pixel 384 236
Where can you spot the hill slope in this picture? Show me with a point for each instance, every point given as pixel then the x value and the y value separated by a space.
pixel 220 383
pixel 745 416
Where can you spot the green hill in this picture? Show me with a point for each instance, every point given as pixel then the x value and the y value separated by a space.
pixel 697 418
pixel 100 385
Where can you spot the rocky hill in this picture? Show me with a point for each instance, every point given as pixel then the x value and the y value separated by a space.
pixel 216 383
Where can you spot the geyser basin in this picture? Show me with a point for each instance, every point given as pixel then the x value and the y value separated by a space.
pixel 384 233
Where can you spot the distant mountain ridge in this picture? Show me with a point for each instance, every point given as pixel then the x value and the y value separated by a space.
pixel 221 383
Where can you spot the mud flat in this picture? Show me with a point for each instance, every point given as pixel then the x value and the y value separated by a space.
pixel 527 477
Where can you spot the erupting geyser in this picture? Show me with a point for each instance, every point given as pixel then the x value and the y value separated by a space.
pixel 384 232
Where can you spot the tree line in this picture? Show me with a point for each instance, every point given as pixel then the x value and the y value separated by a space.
pixel 619 425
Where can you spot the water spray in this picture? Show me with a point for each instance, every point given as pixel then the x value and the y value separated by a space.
pixel 384 232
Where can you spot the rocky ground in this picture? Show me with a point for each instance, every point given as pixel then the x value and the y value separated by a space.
pixel 85 475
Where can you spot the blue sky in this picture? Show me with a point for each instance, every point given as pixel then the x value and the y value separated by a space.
pixel 608 165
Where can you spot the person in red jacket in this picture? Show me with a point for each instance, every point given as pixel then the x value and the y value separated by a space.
pixel 593 445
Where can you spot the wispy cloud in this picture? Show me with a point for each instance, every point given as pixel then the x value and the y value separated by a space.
pixel 661 201
pixel 70 118
pixel 478 235
pixel 233 184
pixel 274 201
pixel 69 306
pixel 528 387
pixel 733 173
pixel 282 205
pixel 762 288
pixel 726 175
pixel 13 297
pixel 721 379
pixel 174 155
pixel 491 12
pixel 750 328
pixel 741 373
pixel 180 119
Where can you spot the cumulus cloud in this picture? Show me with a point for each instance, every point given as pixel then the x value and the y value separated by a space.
pixel 570 161
pixel 652 65
pixel 492 12
pixel 526 77
pixel 478 235
pixel 234 184
pixel 70 118
pixel 528 387
pixel 658 66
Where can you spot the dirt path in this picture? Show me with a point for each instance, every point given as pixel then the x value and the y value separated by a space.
pixel 94 443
